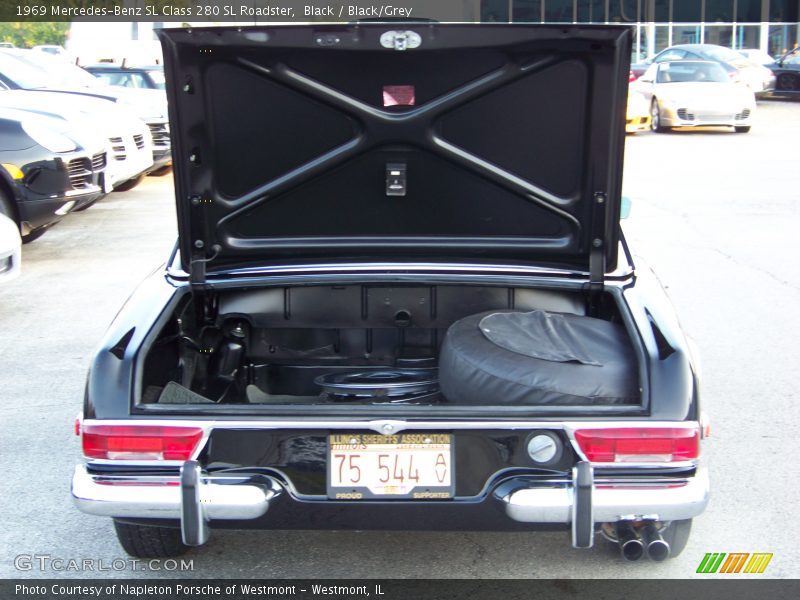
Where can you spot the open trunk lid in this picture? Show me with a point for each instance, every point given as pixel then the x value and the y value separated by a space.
pixel 398 141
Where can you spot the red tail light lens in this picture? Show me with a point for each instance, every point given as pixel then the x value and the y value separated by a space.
pixel 140 442
pixel 639 444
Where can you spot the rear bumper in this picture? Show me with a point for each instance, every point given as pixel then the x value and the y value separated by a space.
pixel 196 499
pixel 149 497
pixel 613 500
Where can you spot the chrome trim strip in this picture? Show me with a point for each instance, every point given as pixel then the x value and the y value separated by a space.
pixel 174 269
pixel 397 425
pixel 92 189
pixel 386 266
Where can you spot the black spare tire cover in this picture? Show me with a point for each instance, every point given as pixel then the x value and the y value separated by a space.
pixel 536 358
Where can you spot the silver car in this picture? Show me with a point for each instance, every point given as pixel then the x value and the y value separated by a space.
pixel 695 94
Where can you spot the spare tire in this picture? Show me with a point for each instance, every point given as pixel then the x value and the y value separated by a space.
pixel 537 358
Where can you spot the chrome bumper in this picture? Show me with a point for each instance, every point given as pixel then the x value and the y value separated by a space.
pixel 609 500
pixel 195 500
pixel 582 501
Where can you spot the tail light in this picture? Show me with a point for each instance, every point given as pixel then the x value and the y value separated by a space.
pixel 639 444
pixel 140 442
pixel 632 76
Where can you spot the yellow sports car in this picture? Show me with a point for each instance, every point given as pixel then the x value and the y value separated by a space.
pixel 638 115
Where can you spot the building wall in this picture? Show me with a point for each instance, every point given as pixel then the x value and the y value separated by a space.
pixel 769 25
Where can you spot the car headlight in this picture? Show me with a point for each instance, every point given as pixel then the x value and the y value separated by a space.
pixel 47 138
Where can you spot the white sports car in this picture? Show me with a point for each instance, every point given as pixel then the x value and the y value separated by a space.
pixel 691 93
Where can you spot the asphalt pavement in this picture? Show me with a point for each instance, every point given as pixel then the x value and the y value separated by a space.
pixel 717 216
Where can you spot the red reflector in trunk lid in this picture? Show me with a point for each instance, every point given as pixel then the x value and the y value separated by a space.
pixel 639 444
pixel 140 442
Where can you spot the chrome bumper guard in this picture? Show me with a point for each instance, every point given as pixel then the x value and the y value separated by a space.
pixel 196 500
pixel 588 500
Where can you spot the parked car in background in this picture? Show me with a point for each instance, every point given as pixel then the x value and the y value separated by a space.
pixel 739 68
pixel 46 172
pixel 127 141
pixel 139 77
pixel 150 105
pixel 52 50
pixel 787 72
pixel 690 93
pixel 10 249
pixel 638 112
pixel 757 56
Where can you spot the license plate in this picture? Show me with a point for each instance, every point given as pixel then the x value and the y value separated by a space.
pixel 407 465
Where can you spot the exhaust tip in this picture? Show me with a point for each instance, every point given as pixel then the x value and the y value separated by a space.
pixel 657 548
pixel 630 544
pixel 632 550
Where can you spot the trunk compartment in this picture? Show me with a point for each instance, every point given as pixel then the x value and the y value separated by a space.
pixel 294 345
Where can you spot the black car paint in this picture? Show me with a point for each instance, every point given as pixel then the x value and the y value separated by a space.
pixel 787 73
pixel 42 192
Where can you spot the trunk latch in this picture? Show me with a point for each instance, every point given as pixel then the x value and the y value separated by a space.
pixel 395 179
pixel 401 40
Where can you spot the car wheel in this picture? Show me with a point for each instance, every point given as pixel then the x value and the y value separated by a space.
pixel 89 205
pixel 7 210
pixel 789 82
pixel 34 235
pixel 144 541
pixel 5 206
pixel 742 128
pixel 655 117
pixel 676 534
pixel 130 184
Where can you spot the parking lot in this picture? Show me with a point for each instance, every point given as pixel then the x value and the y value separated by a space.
pixel 716 214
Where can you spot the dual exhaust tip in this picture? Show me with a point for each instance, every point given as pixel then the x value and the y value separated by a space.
pixel 634 542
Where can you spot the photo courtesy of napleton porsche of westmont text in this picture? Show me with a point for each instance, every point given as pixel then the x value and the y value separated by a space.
pixel 204 590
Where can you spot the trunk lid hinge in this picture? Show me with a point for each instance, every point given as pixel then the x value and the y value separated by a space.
pixel 197 284
pixel 197 267
pixel 597 253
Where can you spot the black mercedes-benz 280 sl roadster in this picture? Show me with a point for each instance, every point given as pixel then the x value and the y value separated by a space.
pixel 400 298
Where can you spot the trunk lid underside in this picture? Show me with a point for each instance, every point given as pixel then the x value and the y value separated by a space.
pixel 487 142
